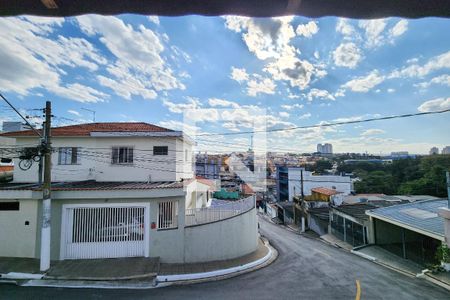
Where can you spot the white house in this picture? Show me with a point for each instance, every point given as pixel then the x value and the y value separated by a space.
pixel 339 183
pixel 118 190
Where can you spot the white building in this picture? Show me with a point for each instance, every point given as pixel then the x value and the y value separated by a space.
pixel 434 150
pixel 325 148
pixel 118 190
pixel 339 183
pixel 446 150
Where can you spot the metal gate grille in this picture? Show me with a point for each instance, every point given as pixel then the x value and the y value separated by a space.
pixel 104 232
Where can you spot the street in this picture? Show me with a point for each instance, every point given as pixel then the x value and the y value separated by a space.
pixel 305 269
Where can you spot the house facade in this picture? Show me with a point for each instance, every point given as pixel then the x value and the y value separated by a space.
pixel 118 190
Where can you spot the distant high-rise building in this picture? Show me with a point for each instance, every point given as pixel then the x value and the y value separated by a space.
pixel 446 150
pixel 434 150
pixel 325 148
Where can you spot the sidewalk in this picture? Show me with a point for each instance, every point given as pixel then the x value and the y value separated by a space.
pixel 331 239
pixel 189 268
pixel 135 273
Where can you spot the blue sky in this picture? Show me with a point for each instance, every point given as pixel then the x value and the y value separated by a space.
pixel 296 71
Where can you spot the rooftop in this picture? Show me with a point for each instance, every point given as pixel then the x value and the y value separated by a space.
pixel 325 191
pixel 356 210
pixel 420 216
pixel 90 185
pixel 87 129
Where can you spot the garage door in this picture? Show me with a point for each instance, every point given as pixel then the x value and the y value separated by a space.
pixel 100 231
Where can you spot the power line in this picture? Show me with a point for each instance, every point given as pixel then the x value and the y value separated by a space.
pixel 331 124
pixel 26 121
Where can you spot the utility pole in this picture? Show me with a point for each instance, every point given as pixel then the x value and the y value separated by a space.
pixel 41 156
pixel 303 199
pixel 46 189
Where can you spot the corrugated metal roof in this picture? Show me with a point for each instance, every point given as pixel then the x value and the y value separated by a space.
pixel 91 185
pixel 420 215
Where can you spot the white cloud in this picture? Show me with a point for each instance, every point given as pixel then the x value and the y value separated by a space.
pixel 297 72
pixel 74 112
pixel 364 83
pixel 138 57
pixel 373 31
pixel 179 108
pixel 399 28
pixel 439 62
pixel 80 93
pixel 442 80
pixel 373 131
pixel 347 55
pixel 238 74
pixel 390 90
pixel 293 106
pixel 260 86
pixel 307 30
pixel 316 54
pixel 305 116
pixel 269 39
pixel 214 102
pixel 265 37
pixel 319 94
pixel 343 26
pixel 154 19
pixel 30 58
pixel 435 105
pixel 284 114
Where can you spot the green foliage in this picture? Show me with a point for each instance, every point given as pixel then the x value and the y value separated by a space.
pixel 443 253
pixel 322 165
pixel 419 176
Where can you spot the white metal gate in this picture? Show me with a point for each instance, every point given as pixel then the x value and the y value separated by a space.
pixel 105 231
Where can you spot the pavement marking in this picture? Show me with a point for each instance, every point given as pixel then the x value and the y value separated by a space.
pixel 358 290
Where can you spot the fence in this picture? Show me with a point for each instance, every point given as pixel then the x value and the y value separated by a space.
pixel 212 214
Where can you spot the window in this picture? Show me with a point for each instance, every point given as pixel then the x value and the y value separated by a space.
pixel 122 155
pixel 160 150
pixel 68 156
pixel 9 206
pixel 167 215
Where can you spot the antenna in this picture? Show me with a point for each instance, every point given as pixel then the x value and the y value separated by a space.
pixel 92 111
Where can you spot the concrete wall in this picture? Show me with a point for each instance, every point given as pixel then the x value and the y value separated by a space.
pixel 95 160
pixel 16 238
pixel 163 243
pixel 221 240
pixel 340 183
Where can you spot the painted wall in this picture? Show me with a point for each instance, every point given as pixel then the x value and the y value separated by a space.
pixel 95 160
pixel 163 243
pixel 221 240
pixel 340 183
pixel 16 238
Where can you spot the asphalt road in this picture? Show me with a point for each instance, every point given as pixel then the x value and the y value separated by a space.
pixel 305 269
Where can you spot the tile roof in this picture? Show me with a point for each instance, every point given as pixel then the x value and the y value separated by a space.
pixel 86 129
pixel 92 185
pixel 420 215
pixel 325 191
pixel 247 189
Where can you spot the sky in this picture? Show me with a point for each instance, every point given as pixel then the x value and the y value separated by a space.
pixel 238 74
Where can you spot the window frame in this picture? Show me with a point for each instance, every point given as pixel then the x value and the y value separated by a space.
pixel 167 210
pixel 115 160
pixel 161 153
pixel 74 159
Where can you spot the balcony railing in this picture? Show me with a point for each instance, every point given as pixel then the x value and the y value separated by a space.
pixel 206 215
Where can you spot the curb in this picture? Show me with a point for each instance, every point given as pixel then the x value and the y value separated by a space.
pixel 155 282
pixel 220 274
pixel 436 281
